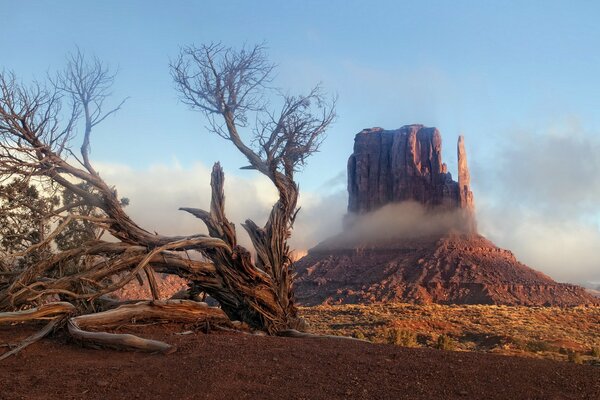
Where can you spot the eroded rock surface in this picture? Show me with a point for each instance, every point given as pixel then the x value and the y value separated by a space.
pixel 390 166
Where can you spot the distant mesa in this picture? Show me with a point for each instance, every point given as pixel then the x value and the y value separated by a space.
pixel 410 235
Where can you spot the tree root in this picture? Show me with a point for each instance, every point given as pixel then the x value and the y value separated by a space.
pixel 42 312
pixel 165 310
pixel 83 327
pixel 293 333
pixel 159 310
pixel 56 311
pixel 33 338
pixel 121 341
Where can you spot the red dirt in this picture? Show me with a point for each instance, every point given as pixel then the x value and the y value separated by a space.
pixel 235 366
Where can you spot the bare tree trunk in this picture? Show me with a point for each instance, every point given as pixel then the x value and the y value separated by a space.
pixel 258 293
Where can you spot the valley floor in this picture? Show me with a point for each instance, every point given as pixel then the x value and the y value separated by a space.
pixel 568 334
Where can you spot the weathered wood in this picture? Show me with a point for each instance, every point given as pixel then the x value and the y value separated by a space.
pixel 45 311
pixel 32 339
pixel 83 327
pixel 160 310
pixel 53 311
pixel 122 341
pixel 257 292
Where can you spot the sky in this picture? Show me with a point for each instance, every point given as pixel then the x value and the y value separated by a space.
pixel 520 79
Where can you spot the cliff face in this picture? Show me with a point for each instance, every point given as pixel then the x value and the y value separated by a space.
pixel 389 166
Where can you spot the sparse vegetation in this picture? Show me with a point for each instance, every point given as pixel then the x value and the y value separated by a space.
pixel 575 357
pixel 359 335
pixel 445 342
pixel 538 346
pixel 401 337
pixel 541 332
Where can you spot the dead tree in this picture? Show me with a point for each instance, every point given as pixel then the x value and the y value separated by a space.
pixel 228 86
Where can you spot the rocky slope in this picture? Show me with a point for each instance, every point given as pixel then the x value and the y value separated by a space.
pixel 456 268
pixel 375 261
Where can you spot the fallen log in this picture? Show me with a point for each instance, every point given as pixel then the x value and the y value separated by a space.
pixel 32 339
pixel 157 310
pixel 121 341
pixel 144 311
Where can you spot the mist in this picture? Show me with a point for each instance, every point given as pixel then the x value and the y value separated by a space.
pixel 399 221
pixel 540 199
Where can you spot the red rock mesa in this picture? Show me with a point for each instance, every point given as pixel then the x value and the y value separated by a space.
pixel 410 235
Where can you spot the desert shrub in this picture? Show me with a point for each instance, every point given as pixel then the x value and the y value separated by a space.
pixel 596 351
pixel 536 346
pixel 445 342
pixel 518 343
pixel 575 357
pixel 401 337
pixel 359 335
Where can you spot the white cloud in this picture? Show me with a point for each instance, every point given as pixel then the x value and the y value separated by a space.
pixel 156 193
pixel 540 198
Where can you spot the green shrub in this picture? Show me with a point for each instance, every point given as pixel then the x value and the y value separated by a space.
pixel 401 337
pixel 575 357
pixel 446 343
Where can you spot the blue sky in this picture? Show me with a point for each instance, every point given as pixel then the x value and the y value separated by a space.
pixel 491 70
pixel 480 68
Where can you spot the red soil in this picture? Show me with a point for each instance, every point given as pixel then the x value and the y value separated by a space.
pixel 235 366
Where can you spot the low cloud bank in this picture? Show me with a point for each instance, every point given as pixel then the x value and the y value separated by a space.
pixel 401 220
pixel 156 194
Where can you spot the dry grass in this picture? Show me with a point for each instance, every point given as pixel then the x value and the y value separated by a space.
pixel 546 332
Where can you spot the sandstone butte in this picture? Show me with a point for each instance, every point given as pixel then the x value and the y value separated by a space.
pixel 453 266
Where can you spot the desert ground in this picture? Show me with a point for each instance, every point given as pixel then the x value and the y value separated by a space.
pixel 557 333
pixel 226 365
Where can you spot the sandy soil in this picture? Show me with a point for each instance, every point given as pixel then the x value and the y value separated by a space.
pixel 235 366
